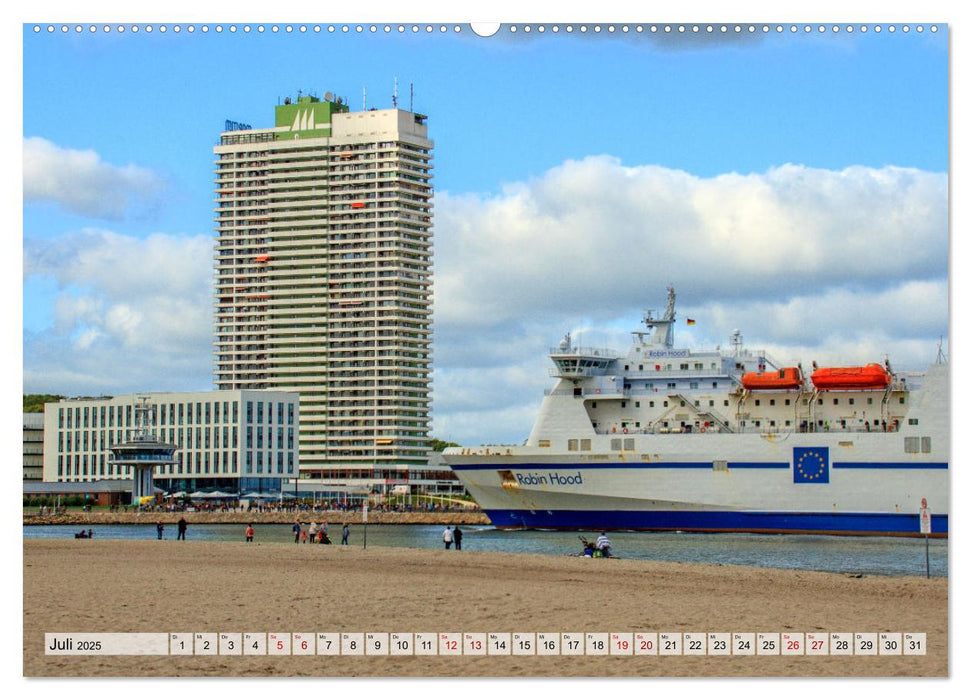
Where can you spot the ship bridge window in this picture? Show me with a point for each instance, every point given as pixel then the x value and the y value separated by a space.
pixel 698 365
pixel 585 444
pixel 671 385
pixel 640 368
pixel 714 385
pixel 772 402
pixel 912 421
pixel 787 402
pixel 911 445
pixel 901 399
pixel 758 402
pixel 571 444
pixel 577 391
pixel 852 401
pixel 869 401
pixel 650 404
pixel 836 402
pixel 615 444
pixel 925 445
pixel 684 365
pixel 693 385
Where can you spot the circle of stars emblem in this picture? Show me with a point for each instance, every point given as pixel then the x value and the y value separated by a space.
pixel 811 465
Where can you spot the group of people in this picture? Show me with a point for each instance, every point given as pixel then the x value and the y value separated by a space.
pixel 451 536
pixel 600 548
pixel 315 534
pixel 181 529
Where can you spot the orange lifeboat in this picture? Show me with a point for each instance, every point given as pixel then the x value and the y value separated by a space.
pixel 872 376
pixel 785 378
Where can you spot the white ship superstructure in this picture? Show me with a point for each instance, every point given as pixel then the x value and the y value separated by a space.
pixel 664 438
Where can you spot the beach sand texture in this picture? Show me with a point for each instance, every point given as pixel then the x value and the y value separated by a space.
pixel 170 586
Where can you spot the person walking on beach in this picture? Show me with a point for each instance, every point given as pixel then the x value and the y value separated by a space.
pixel 345 531
pixel 447 537
pixel 182 528
pixel 159 527
pixel 312 532
pixel 296 531
pixel 249 532
pixel 457 536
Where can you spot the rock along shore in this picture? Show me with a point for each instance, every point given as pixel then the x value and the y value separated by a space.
pixel 235 517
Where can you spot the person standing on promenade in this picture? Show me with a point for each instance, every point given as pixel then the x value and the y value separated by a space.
pixel 182 528
pixel 457 536
pixel 249 532
pixel 312 532
pixel 296 531
pixel 159 527
pixel 447 537
pixel 345 531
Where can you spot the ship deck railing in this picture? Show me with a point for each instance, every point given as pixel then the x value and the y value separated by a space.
pixel 747 430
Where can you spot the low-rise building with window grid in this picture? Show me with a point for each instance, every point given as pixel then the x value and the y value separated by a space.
pixel 231 440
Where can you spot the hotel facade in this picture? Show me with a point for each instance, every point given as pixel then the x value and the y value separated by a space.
pixel 323 281
pixel 234 441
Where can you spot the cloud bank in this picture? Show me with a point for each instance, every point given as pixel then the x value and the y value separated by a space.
pixel 840 267
pixel 131 314
pixel 81 183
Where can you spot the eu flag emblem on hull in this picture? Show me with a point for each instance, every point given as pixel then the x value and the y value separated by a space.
pixel 810 465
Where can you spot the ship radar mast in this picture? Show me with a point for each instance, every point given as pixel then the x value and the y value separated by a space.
pixel 664 326
pixel 736 342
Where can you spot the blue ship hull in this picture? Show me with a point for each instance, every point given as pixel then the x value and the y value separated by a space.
pixel 872 524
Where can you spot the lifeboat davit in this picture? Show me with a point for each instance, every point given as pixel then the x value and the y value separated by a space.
pixel 785 378
pixel 872 376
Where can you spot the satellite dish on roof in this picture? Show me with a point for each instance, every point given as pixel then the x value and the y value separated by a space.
pixel 328 96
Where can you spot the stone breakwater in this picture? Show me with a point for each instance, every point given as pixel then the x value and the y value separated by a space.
pixel 234 517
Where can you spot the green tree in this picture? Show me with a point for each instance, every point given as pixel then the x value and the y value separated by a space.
pixel 439 445
pixel 34 403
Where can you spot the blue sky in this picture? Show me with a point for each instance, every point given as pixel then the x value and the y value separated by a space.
pixel 793 185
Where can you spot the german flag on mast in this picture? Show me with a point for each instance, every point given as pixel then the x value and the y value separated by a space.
pixel 691 322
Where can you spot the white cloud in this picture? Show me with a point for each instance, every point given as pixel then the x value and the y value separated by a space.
pixel 80 182
pixel 131 314
pixel 835 266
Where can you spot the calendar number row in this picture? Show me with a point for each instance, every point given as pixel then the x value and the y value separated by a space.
pixel 487 643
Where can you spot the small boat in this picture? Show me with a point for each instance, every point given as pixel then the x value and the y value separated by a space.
pixel 786 378
pixel 871 376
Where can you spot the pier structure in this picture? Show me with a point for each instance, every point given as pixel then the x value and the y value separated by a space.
pixel 142 453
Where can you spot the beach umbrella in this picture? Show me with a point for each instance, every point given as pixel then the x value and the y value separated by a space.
pixel 177 494
pixel 198 494
pixel 221 494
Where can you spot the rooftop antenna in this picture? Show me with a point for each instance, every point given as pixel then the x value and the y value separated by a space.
pixel 411 98
pixel 394 97
pixel 364 106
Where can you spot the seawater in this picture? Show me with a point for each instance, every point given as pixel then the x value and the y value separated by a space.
pixel 885 556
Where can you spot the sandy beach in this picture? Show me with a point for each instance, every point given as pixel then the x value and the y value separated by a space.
pixel 169 586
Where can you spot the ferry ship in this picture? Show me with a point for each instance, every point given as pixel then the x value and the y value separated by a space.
pixel 670 438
